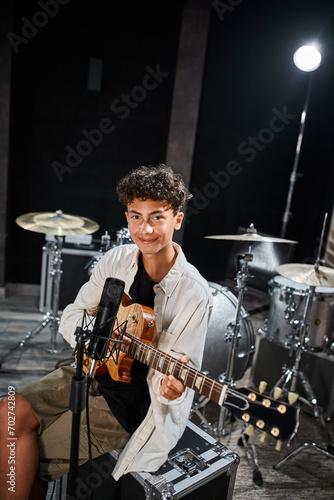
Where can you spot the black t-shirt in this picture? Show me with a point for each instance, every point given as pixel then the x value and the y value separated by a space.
pixel 129 402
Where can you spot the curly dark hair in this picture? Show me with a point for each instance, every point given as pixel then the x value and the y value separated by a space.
pixel 154 183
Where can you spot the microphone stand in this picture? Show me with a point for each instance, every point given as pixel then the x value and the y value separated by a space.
pixel 77 395
pixel 77 405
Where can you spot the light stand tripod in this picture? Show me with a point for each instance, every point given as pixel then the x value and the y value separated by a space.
pixel 50 318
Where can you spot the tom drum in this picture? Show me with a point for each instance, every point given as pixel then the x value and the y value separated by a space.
pixel 287 306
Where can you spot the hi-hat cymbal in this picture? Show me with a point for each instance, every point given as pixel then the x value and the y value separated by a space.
pixel 56 223
pixel 308 274
pixel 249 237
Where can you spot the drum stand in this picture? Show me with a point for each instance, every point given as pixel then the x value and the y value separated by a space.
pixel 233 335
pixel 243 275
pixel 291 375
pixel 49 317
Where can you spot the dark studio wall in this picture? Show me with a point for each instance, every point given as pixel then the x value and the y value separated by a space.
pixel 249 79
pixel 250 82
pixel 52 107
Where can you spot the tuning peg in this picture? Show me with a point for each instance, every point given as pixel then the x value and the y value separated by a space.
pixel 266 402
pixel 275 432
pixel 262 386
pixel 252 396
pixel 278 445
pixel 249 430
pixel 264 437
pixel 260 424
pixel 281 408
pixel 292 398
pixel 277 392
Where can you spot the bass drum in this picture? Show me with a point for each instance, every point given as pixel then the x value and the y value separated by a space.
pixel 217 347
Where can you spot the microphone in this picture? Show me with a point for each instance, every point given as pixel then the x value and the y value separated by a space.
pixel 104 322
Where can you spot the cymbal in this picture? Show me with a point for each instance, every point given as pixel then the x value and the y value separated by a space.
pixel 308 274
pixel 56 223
pixel 249 237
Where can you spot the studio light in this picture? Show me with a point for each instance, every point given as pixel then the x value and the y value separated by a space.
pixel 306 58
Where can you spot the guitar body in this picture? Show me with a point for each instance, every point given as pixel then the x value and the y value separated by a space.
pixel 140 323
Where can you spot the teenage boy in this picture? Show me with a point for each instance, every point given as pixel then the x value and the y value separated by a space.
pixel 147 416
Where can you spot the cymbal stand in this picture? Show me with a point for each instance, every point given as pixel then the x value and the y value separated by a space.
pixel 50 317
pixel 232 335
pixel 291 376
pixel 233 332
pixel 55 274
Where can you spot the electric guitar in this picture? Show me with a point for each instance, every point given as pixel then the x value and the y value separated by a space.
pixel 271 416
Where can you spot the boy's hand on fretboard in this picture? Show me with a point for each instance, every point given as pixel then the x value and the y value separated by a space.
pixel 170 387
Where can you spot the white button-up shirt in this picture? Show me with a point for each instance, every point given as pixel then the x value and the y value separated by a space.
pixel 182 307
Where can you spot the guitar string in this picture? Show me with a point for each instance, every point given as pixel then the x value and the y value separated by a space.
pixel 147 352
pixel 208 383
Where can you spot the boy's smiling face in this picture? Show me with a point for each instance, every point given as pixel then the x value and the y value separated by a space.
pixel 151 224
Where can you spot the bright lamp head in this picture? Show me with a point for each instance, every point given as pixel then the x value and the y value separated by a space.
pixel 307 58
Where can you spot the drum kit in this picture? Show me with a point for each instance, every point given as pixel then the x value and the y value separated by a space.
pixel 239 331
pixel 288 300
pixel 57 224
pixel 302 295
pixel 122 238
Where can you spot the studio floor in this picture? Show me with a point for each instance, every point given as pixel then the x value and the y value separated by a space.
pixel 308 475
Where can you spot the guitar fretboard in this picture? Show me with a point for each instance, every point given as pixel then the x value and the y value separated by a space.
pixel 267 414
pixel 254 408
pixel 189 376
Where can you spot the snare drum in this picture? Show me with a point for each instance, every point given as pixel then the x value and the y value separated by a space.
pixel 217 348
pixel 287 307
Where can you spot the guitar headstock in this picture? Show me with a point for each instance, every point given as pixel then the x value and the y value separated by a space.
pixel 271 416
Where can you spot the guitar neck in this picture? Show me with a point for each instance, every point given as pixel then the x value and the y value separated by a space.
pixel 166 364
pixel 267 414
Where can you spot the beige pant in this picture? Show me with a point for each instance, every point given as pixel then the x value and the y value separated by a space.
pixel 49 399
